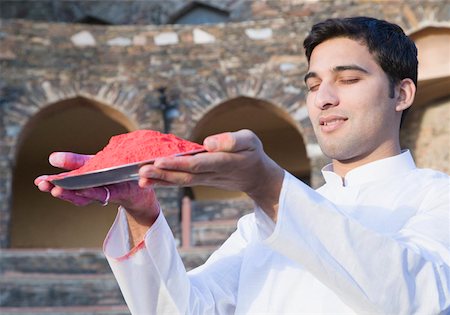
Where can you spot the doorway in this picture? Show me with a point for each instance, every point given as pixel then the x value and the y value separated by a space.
pixel 278 132
pixel 38 220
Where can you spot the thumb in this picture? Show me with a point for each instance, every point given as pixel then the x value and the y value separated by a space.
pixel 68 160
pixel 233 141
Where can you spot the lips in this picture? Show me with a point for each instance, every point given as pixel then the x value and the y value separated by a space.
pixel 332 122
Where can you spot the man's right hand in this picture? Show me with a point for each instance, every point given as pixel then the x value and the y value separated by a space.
pixel 234 161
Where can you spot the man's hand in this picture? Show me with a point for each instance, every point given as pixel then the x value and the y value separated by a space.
pixel 141 203
pixel 234 161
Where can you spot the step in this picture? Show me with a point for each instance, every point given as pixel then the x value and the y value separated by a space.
pixel 30 292
pixel 71 261
pixel 74 261
pixel 64 261
pixel 205 210
pixel 211 233
pixel 70 310
pixel 29 277
pixel 43 289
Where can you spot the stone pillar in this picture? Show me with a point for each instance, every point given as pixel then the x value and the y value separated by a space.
pixel 186 217
pixel 5 201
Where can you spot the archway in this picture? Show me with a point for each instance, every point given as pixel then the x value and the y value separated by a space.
pixel 39 220
pixel 280 137
pixel 426 131
pixel 434 64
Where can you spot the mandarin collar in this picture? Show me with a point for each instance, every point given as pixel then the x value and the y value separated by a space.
pixel 384 168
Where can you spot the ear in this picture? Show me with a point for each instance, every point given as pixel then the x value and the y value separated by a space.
pixel 407 92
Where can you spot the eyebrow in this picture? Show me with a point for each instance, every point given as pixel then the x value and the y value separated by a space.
pixel 337 69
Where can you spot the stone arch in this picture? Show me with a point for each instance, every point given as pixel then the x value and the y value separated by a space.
pixel 88 106
pixel 259 83
pixel 434 63
pixel 134 107
pixel 79 125
pixel 426 131
pixel 285 99
pixel 127 105
pixel 196 12
pixel 269 122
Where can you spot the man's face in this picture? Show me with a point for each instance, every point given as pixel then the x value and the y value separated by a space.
pixel 348 102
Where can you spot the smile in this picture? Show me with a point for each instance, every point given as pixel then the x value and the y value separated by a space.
pixel 331 123
pixel 327 123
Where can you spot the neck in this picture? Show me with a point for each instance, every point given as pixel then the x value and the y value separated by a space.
pixel 342 167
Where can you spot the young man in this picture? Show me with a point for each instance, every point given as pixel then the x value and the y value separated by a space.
pixel 374 239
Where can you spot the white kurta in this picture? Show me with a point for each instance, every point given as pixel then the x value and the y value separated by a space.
pixel 379 243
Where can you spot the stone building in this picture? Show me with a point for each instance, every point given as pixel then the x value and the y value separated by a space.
pixel 74 73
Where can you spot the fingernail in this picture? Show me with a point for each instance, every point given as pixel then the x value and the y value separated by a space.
pixel 158 163
pixel 56 158
pixel 210 143
pixel 40 187
pixel 40 179
pixel 143 183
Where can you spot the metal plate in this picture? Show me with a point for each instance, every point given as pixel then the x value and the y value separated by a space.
pixel 108 176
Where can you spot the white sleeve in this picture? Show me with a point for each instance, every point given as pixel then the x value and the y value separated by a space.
pixel 153 279
pixel 372 273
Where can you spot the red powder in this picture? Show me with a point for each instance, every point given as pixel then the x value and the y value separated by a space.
pixel 136 146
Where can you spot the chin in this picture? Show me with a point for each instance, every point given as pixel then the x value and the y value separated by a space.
pixel 336 153
pixel 329 150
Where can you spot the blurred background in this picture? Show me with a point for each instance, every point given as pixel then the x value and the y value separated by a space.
pixel 75 73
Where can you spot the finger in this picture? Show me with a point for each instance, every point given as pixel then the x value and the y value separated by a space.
pixel 68 160
pixel 181 163
pixel 162 177
pixel 198 164
pixel 170 178
pixel 232 141
pixel 159 176
pixel 147 182
pixel 154 172
pixel 45 186
pixel 70 196
pixel 49 178
pixel 99 194
pixel 40 179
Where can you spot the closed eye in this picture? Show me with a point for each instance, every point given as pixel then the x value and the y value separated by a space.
pixel 350 80
pixel 313 84
pixel 313 87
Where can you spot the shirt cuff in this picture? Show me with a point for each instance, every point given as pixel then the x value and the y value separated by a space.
pixel 117 242
pixel 303 193
pixel 265 225
pixel 140 272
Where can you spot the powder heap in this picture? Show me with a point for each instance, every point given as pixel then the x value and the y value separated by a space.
pixel 136 146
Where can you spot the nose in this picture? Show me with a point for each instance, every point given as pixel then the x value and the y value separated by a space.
pixel 326 96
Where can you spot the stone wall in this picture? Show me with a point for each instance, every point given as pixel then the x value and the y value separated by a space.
pixel 427 134
pixel 131 12
pixel 201 66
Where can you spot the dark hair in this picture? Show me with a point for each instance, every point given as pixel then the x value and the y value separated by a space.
pixel 395 52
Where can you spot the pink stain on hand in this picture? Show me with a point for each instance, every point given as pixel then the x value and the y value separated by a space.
pixel 218 142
